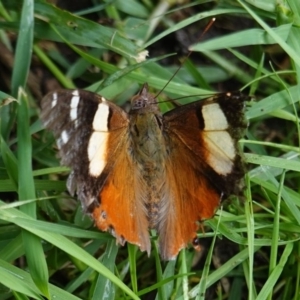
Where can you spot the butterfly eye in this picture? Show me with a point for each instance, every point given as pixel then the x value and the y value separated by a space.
pixel 136 103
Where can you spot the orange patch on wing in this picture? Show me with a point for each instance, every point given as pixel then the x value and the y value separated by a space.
pixel 121 210
pixel 192 198
pixel 182 224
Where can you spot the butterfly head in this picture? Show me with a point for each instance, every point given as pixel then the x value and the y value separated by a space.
pixel 143 100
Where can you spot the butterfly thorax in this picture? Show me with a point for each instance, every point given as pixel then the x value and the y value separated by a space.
pixel 149 151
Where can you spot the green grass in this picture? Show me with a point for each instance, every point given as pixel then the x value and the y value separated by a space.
pixel 49 249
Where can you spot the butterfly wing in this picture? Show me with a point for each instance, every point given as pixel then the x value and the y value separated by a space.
pixel 122 210
pixel 92 135
pixel 203 166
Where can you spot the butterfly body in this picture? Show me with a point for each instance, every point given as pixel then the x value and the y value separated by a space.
pixel 146 170
pixel 149 151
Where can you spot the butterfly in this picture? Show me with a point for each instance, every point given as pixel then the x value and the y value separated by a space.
pixel 145 170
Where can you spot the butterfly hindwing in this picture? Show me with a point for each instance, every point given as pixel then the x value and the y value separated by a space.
pixel 122 210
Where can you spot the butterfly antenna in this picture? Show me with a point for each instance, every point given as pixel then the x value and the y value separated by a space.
pixel 188 55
